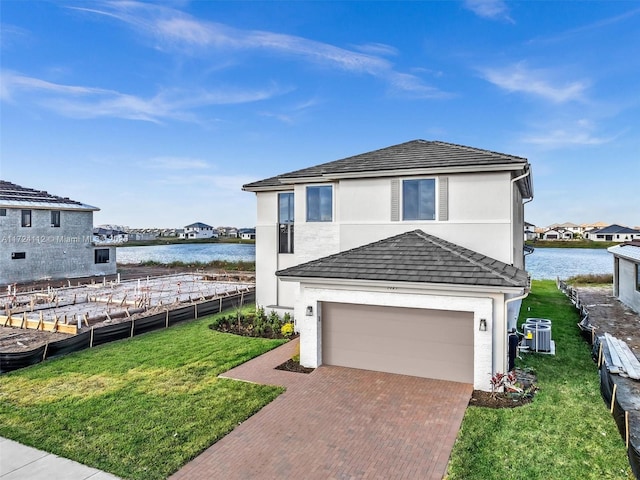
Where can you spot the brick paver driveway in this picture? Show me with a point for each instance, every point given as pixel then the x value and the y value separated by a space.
pixel 338 423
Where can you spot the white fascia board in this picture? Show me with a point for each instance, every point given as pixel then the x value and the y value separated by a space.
pixel 46 205
pixel 401 286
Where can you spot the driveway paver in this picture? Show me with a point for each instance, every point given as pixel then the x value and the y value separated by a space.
pixel 338 423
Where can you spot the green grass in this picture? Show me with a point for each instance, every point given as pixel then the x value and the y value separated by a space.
pixel 240 265
pixel 138 408
pixel 566 433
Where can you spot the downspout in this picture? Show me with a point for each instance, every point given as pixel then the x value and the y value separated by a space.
pixel 527 290
pixel 513 181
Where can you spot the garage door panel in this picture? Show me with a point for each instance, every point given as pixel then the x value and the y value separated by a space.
pixel 424 343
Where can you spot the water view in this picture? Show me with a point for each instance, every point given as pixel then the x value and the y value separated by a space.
pixel 188 252
pixel 549 263
pixel 543 263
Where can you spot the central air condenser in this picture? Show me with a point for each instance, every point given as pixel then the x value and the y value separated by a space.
pixel 537 337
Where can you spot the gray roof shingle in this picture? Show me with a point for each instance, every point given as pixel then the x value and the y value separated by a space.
pixel 413 257
pixel 416 154
pixel 13 195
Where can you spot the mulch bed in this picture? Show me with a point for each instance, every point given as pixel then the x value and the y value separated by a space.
pixel 293 366
pixel 499 400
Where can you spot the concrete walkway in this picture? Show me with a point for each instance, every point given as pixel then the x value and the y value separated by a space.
pixel 19 462
pixel 338 423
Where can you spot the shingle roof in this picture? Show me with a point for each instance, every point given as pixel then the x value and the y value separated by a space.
pixel 198 225
pixel 628 250
pixel 413 257
pixel 12 195
pixel 615 229
pixel 416 154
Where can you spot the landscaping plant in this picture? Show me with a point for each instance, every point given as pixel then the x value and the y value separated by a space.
pixel 566 432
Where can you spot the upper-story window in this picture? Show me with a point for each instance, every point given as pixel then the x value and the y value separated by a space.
pixel 55 218
pixel 3 212
pixel 26 218
pixel 320 203
pixel 285 222
pixel 419 199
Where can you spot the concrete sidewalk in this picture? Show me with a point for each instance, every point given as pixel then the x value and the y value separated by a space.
pixel 19 462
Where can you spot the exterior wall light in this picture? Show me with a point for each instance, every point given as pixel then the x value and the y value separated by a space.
pixel 483 324
pixel 309 311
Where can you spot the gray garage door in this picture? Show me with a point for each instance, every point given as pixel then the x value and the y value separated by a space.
pixel 410 341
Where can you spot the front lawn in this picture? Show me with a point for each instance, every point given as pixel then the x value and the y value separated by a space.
pixel 566 433
pixel 139 408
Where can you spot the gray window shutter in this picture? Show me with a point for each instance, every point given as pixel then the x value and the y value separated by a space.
pixel 395 200
pixel 443 198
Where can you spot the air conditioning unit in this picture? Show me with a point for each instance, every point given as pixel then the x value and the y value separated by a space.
pixel 537 337
pixel 538 321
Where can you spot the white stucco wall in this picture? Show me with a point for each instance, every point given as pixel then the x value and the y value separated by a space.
pixel 489 353
pixel 626 288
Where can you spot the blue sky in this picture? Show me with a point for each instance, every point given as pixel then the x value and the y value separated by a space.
pixel 158 113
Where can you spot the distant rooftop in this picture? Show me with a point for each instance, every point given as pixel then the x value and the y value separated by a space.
pixel 15 196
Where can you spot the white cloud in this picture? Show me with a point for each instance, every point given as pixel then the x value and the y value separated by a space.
pixel 578 133
pixel 89 102
pixel 538 82
pixel 491 9
pixel 175 30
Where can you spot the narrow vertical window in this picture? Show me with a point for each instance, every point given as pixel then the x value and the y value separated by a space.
pixel 320 204
pixel 285 222
pixel 26 218
pixel 55 218
pixel 637 277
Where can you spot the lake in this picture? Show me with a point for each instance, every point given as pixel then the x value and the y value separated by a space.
pixel 546 263
pixel 542 263
pixel 188 252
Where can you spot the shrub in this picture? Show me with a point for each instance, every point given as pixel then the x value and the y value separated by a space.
pixel 287 330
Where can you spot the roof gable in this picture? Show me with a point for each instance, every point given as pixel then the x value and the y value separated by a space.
pixel 12 195
pixel 413 257
pixel 413 155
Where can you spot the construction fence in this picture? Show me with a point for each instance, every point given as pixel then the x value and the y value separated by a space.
pixel 126 329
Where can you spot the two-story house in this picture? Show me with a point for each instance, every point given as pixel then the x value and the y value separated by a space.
pixel 199 230
pixel 408 259
pixel 43 236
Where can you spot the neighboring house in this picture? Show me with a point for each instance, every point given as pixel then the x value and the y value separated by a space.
pixel 247 233
pixel 626 276
pixel 592 226
pixel 43 236
pixel 108 236
pixel 568 226
pixel 557 234
pixel 199 230
pixel 142 234
pixel 613 233
pixel 529 232
pixel 407 259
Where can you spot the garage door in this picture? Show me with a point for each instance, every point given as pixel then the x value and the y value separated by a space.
pixel 410 341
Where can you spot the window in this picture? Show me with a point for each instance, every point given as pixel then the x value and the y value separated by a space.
pixel 285 222
pixel 419 199
pixel 18 255
pixel 320 204
pixel 3 212
pixel 637 277
pixel 102 255
pixel 55 218
pixel 26 218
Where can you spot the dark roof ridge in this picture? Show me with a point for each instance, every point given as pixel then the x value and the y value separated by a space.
pixel 474 149
pixel 457 252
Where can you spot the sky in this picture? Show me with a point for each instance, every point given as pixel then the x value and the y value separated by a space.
pixel 158 113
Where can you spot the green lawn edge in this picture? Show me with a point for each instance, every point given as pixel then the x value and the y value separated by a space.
pixel 138 408
pixel 566 433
